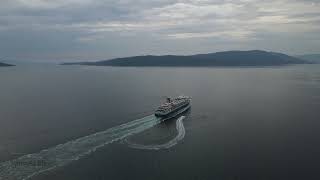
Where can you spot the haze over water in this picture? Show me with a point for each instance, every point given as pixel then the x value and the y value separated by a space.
pixel 245 123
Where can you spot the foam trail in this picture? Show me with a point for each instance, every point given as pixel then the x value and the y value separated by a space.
pixel 181 133
pixel 27 166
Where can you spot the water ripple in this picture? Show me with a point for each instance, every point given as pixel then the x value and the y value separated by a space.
pixel 30 165
pixel 181 133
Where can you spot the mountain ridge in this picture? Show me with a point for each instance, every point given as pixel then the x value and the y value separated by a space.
pixel 315 58
pixel 5 64
pixel 225 58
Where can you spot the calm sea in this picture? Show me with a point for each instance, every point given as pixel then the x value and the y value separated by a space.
pixel 245 123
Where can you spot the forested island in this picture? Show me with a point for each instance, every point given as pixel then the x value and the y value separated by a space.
pixel 5 64
pixel 227 58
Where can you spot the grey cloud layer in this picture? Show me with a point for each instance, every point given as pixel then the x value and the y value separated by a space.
pixel 62 29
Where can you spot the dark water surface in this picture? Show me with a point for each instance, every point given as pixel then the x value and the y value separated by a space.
pixel 245 123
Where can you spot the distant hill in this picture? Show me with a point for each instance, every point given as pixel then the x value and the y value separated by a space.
pixel 227 58
pixel 4 64
pixel 315 58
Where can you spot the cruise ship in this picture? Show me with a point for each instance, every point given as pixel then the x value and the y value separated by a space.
pixel 173 106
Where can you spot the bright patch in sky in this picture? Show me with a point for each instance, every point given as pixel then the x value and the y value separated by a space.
pixel 96 29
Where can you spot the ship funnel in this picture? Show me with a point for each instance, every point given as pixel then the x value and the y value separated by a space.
pixel 168 99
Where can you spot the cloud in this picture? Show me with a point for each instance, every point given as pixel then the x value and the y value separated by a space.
pixel 231 35
pixel 87 25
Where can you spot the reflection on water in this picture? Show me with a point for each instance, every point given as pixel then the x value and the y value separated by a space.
pixel 250 123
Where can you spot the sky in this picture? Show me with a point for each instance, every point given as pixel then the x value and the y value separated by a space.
pixel 71 30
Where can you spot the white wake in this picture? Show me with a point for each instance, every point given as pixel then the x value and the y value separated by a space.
pixel 27 166
pixel 181 133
